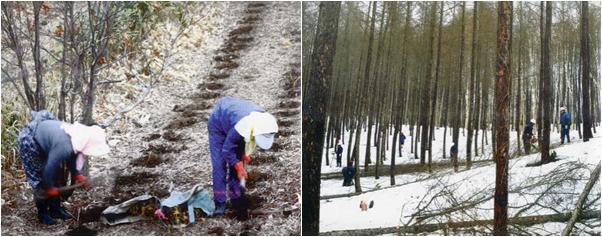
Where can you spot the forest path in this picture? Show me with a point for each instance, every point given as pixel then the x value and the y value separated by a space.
pixel 252 52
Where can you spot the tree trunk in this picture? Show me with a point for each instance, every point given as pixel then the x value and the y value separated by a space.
pixel 547 88
pixel 437 67
pixel 471 91
pixel 426 88
pixel 585 78
pixel 314 112
pixel 502 101
pixel 458 98
pixel 39 94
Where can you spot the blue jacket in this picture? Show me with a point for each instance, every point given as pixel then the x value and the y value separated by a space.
pixel 55 148
pixel 226 113
pixel 565 118
pixel 402 139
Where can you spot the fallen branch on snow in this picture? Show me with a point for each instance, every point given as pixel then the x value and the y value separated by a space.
pixel 578 208
pixel 416 229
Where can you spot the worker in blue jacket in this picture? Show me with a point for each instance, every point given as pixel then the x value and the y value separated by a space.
pixel 402 140
pixel 46 144
pixel 565 123
pixel 235 127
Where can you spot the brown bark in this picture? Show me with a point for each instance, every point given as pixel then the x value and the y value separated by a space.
pixel 502 102
pixel 314 112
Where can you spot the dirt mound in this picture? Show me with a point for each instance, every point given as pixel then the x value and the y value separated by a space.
pixel 228 65
pixel 163 148
pixel 227 57
pixel 181 123
pixel 287 113
pixel 255 201
pixel 244 29
pixel 199 105
pixel 170 135
pixel 81 231
pixel 216 231
pixel 217 76
pixel 285 133
pixel 289 104
pixel 286 123
pixel 211 86
pixel 91 214
pixel 152 136
pixel 135 179
pixel 150 160
pixel 250 19
pixel 255 177
pixel 263 158
pixel 207 95
pixel 277 146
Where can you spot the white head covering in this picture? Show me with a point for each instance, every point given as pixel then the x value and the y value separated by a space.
pixel 533 121
pixel 257 127
pixel 90 140
pixel 562 109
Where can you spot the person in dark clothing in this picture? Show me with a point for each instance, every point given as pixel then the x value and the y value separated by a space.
pixel 46 144
pixel 453 151
pixel 528 136
pixel 339 152
pixel 348 174
pixel 402 139
pixel 565 125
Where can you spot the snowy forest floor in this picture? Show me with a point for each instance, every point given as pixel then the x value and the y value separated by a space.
pixel 252 53
pixel 443 196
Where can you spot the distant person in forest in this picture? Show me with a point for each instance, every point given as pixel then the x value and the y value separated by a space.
pixel 339 152
pixel 528 136
pixel 235 127
pixel 402 139
pixel 348 174
pixel 565 125
pixel 453 151
pixel 46 145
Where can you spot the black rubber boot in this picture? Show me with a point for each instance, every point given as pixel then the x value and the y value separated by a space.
pixel 43 214
pixel 56 211
pixel 241 206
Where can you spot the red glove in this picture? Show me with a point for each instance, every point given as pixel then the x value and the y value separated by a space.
pixel 246 158
pixel 52 192
pixel 240 171
pixel 80 179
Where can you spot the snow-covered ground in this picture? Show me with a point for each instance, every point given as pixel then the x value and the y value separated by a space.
pixel 560 181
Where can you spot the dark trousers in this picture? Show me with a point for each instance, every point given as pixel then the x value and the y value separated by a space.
pixel 527 145
pixel 564 131
pixel 339 160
